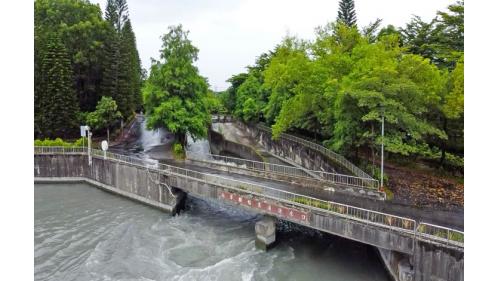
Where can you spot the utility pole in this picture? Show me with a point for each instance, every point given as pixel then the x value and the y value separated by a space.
pixel 382 156
pixel 89 146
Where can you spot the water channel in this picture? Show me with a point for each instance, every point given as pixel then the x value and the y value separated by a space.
pixel 83 233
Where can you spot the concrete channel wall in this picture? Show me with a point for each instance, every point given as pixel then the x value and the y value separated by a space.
pixel 219 144
pixel 131 181
pixel 406 257
pixel 300 154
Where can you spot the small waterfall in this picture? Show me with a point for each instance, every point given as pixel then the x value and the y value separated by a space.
pixel 152 138
pixel 201 147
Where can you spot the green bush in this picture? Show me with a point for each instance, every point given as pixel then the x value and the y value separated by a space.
pixel 81 142
pixel 58 142
pixel 178 151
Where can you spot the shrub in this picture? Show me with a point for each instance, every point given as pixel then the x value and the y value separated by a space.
pixel 178 151
pixel 80 142
pixel 58 142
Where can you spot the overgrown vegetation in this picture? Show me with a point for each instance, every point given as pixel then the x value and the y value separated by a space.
pixel 339 86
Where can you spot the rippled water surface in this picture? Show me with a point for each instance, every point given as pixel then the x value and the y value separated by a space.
pixel 83 233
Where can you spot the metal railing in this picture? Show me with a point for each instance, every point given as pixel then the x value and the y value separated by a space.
pixel 334 178
pixel 423 231
pixel 335 156
pixel 148 163
pixel 442 234
pixel 60 150
pixel 221 118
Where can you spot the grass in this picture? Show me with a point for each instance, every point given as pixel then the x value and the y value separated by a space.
pixel 454 236
pixel 312 202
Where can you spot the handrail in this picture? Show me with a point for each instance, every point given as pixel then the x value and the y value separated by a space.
pixel 440 233
pixel 423 231
pixel 334 178
pixel 337 157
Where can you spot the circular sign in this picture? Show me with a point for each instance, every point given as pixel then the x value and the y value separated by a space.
pixel 104 145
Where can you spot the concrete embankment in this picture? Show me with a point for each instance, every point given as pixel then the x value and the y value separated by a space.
pixel 134 182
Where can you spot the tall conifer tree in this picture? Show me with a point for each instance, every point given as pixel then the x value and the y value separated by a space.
pixel 122 73
pixel 134 70
pixel 57 101
pixel 346 13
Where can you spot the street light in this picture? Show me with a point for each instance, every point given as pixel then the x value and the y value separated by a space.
pixel 85 131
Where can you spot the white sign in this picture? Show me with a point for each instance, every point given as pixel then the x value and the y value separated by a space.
pixel 83 130
pixel 104 145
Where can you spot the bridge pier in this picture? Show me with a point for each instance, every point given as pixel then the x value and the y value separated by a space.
pixel 180 200
pixel 265 230
pixel 398 265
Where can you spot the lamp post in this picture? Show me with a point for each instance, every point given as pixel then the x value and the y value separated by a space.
pixel 89 134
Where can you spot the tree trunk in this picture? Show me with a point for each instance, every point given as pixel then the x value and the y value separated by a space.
pixel 181 138
pixel 108 133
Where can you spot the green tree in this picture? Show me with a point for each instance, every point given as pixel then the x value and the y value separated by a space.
pixel 134 70
pixel 296 85
pixel 441 40
pixel 56 103
pixel 249 101
pixel 122 66
pixel 175 94
pixel 347 13
pixel 82 31
pixel 105 115
pixel 370 31
pixel 229 97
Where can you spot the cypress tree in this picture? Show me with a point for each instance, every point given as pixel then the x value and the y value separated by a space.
pixel 109 85
pixel 122 71
pixel 134 71
pixel 56 98
pixel 346 13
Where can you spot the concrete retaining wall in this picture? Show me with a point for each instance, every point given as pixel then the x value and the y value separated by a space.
pixel 131 181
pixel 397 264
pixel 311 183
pixel 435 263
pixel 219 144
pixel 304 156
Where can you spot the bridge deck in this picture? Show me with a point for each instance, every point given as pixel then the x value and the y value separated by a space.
pixel 440 217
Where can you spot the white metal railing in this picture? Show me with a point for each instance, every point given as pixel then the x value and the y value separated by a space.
pixel 334 178
pixel 423 231
pixel 335 156
pixel 223 118
pixel 60 150
pixel 442 234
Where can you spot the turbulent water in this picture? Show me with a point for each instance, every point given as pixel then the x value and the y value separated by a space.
pixel 83 233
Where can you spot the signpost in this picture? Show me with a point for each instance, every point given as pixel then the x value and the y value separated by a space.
pixel 104 146
pixel 85 131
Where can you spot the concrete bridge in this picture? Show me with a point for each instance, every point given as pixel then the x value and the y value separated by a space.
pixel 411 250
